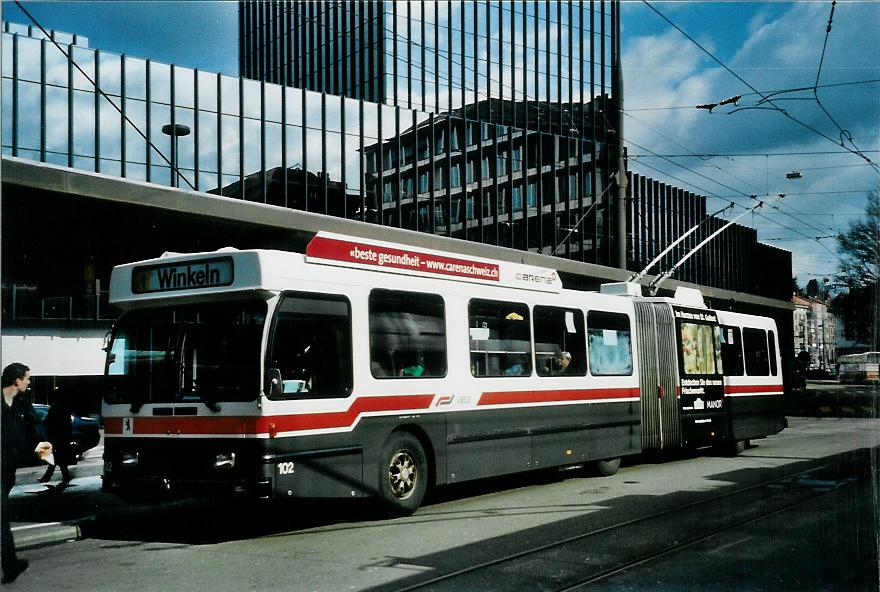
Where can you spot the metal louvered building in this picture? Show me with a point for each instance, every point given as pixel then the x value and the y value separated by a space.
pixel 503 137
pixel 491 122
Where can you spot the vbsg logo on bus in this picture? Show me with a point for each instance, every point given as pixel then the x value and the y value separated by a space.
pixel 183 275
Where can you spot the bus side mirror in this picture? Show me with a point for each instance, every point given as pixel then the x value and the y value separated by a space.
pixel 274 388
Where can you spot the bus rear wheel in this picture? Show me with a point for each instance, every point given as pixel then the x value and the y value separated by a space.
pixel 607 467
pixel 403 474
pixel 736 448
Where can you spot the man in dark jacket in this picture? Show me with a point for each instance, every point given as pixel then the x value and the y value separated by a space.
pixel 19 443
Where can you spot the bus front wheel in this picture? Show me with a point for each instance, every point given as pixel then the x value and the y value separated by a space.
pixel 403 474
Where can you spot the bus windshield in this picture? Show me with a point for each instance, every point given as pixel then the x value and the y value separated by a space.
pixel 206 352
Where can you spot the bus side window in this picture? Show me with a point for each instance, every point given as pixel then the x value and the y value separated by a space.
pixel 500 338
pixel 609 343
pixel 560 345
pixel 311 346
pixel 407 335
pixel 731 351
pixel 771 340
pixel 755 347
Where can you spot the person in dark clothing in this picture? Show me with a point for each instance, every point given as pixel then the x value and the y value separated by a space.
pixel 19 442
pixel 59 431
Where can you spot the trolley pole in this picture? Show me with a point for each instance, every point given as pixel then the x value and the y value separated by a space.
pixel 622 181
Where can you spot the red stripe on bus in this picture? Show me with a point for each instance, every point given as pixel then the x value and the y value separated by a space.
pixel 553 396
pixel 251 425
pixel 344 419
pixel 753 388
pixel 183 425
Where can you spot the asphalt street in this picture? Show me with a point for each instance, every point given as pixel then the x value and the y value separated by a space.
pixel 79 538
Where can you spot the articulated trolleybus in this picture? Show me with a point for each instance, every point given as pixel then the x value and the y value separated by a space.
pixel 369 369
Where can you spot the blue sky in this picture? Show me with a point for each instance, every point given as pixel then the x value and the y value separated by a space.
pixel 771 45
pixel 195 34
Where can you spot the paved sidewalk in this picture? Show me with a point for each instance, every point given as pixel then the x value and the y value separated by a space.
pixel 44 514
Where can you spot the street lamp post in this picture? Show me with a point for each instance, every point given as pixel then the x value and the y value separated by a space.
pixel 175 130
pixel 622 181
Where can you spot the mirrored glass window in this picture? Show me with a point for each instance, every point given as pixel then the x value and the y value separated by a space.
pixel 160 82
pixel 313 110
pixel 29 62
pixel 29 119
pixel 207 84
pixel 109 68
pixel 273 103
pixel 135 78
pixel 333 113
pixel 229 99
pixel 184 87
pixel 252 98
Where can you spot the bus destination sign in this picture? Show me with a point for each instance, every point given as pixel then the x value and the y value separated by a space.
pixel 182 275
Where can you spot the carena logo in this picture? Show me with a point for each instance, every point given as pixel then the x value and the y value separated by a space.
pixel 537 279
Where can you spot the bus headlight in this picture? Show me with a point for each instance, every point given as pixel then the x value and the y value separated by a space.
pixel 224 461
pixel 130 459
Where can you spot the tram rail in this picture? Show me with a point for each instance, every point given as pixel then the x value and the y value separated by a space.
pixel 763 500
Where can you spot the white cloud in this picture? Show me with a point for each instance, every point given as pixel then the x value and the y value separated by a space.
pixel 778 50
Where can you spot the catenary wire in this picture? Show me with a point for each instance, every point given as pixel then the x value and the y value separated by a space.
pixel 762 95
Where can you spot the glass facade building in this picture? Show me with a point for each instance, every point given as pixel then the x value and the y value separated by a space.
pixel 528 170
pixel 492 122
pixel 438 57
pixel 486 121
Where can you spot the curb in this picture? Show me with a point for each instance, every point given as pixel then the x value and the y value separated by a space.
pixel 41 534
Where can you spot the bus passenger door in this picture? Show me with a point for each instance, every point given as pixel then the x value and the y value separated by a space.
pixel 311 346
pixel 310 355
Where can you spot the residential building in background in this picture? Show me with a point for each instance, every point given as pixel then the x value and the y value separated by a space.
pixel 815 332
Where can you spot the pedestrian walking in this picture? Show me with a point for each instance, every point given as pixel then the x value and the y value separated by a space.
pixel 59 431
pixel 19 442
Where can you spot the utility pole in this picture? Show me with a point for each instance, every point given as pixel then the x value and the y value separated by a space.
pixel 622 181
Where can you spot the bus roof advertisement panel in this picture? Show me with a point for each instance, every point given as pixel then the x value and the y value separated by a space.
pixel 396 258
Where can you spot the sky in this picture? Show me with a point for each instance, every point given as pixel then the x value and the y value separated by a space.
pixel 729 154
pixel 770 46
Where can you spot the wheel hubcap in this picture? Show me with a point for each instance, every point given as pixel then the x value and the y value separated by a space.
pixel 402 474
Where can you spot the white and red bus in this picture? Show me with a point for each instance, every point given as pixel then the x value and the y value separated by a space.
pixel 366 368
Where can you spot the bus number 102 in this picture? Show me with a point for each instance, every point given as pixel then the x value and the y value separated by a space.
pixel 285 468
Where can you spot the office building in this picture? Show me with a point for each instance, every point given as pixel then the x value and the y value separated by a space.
pixel 502 142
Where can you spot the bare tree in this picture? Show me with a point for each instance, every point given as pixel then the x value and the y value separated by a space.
pixel 859 247
pixel 859 307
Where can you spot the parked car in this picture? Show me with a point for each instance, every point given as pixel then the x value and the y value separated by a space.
pixel 85 430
